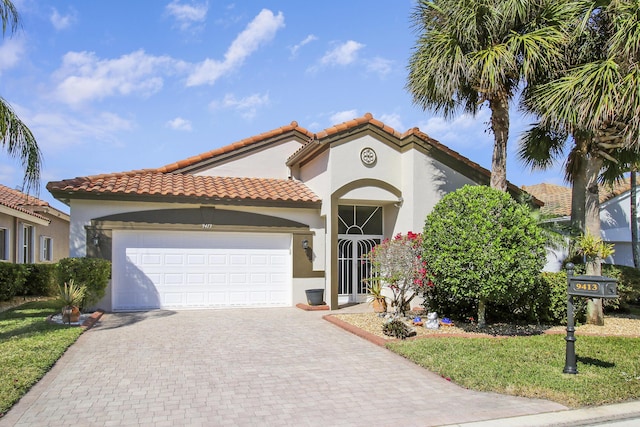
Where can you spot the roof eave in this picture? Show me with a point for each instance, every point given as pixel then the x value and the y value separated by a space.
pixel 204 200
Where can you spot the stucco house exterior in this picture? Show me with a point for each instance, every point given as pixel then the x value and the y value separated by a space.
pixel 31 231
pixel 260 221
pixel 615 217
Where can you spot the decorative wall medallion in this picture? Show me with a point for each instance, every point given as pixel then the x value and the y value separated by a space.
pixel 368 156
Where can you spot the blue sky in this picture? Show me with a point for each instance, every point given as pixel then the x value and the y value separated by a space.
pixel 122 85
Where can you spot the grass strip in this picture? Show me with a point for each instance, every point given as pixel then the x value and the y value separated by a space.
pixel 608 367
pixel 29 346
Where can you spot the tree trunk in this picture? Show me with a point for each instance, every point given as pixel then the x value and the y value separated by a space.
pixel 634 216
pixel 579 187
pixel 500 127
pixel 595 315
pixel 482 308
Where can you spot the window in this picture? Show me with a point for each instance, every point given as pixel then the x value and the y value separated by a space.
pixel 26 244
pixel 4 244
pixel 46 248
pixel 359 220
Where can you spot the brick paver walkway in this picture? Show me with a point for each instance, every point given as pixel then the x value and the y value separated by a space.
pixel 267 367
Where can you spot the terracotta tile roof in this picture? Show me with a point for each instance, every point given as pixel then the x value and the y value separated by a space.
pixel 20 201
pixel 557 198
pixel 608 192
pixel 146 183
pixel 153 181
pixel 293 126
pixel 316 140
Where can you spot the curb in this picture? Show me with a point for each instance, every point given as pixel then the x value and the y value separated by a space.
pixel 356 331
pixel 307 307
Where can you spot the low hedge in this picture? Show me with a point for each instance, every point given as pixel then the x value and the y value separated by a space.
pixel 44 279
pixel 12 280
pixel 41 280
pixel 546 303
pixel 628 285
pixel 94 273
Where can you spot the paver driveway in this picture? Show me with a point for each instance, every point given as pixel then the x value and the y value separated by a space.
pixel 245 367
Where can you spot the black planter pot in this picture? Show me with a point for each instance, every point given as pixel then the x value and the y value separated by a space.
pixel 315 296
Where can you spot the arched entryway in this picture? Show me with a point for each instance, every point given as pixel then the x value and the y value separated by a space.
pixel 360 229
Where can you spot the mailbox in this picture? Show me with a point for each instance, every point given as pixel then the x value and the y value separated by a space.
pixel 593 287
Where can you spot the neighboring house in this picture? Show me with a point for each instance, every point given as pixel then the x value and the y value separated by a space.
pixel 31 231
pixel 615 224
pixel 258 222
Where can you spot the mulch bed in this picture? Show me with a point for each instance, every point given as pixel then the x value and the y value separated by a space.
pixel 371 324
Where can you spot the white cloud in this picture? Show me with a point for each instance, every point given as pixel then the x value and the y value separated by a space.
pixel 61 22
pixel 307 40
pixel 187 14
pixel 379 65
pixel 393 120
pixel 343 54
pixel 57 130
pixel 259 31
pixel 464 130
pixel 84 77
pixel 343 116
pixel 179 124
pixel 11 51
pixel 247 106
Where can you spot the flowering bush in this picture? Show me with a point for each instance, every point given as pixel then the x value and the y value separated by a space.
pixel 398 264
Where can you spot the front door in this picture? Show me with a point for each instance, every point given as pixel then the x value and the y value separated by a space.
pixel 359 230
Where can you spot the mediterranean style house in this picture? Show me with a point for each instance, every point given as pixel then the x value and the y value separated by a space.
pixel 31 231
pixel 260 221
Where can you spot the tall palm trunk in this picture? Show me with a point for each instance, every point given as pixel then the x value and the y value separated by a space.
pixel 595 315
pixel 579 186
pixel 500 127
pixel 634 216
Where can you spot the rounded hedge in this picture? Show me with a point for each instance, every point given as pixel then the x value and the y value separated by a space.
pixel 480 244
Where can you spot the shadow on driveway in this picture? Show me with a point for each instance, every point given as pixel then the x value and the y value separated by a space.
pixel 122 319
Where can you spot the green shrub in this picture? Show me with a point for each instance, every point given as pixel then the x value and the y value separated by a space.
pixel 12 279
pixel 482 247
pixel 41 280
pixel 553 299
pixel 628 285
pixel 94 273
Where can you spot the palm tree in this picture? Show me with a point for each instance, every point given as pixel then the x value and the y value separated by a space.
pixel 470 53
pixel 633 213
pixel 15 136
pixel 598 94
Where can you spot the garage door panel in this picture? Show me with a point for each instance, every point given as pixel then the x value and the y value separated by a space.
pixel 172 259
pixel 218 259
pixel 196 299
pixel 172 298
pixel 178 276
pixel 196 279
pixel 149 259
pixel 217 299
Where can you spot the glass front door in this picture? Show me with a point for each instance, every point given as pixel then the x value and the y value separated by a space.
pixel 359 230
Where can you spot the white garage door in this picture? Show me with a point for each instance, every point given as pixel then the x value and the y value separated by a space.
pixel 174 270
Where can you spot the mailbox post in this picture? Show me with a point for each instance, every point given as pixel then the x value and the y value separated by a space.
pixel 582 286
pixel 570 365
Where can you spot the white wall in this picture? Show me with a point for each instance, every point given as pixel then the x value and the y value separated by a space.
pixel 266 163
pixel 615 228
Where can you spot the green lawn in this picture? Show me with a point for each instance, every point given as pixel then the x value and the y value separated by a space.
pixel 29 346
pixel 608 367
